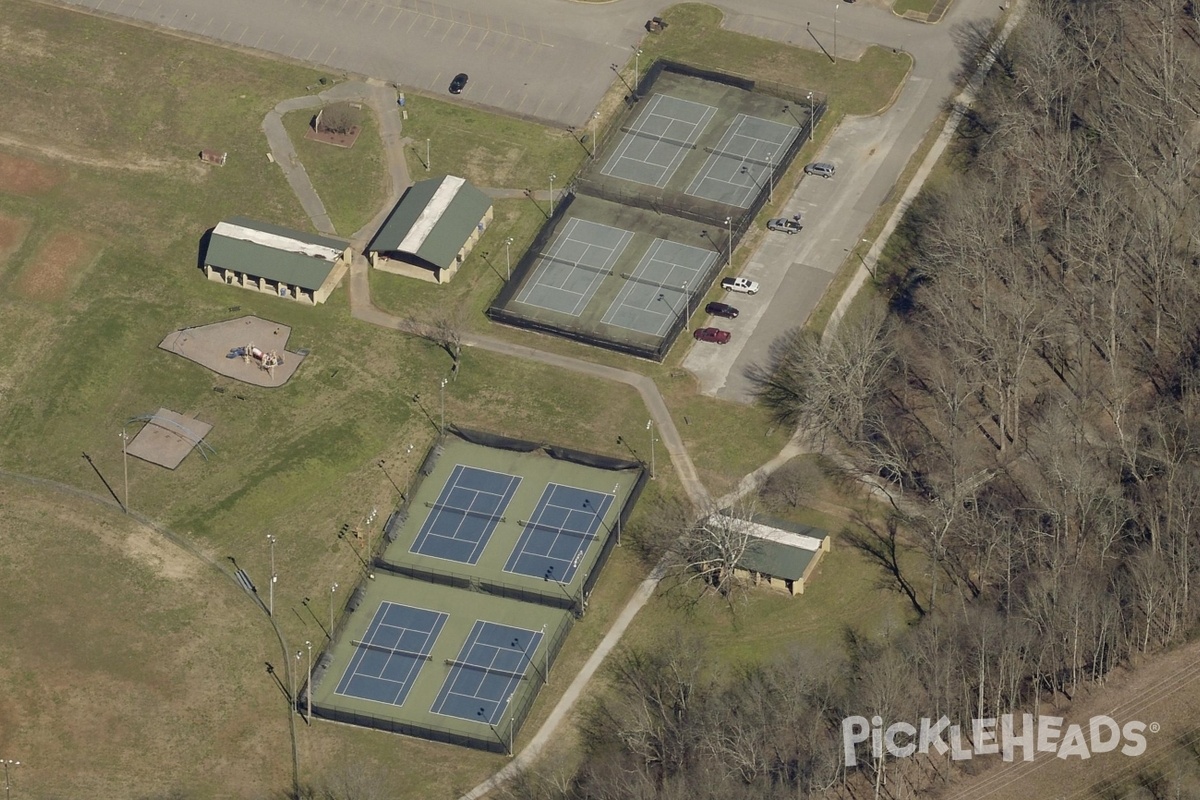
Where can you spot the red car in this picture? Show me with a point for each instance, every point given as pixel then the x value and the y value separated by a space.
pixel 715 335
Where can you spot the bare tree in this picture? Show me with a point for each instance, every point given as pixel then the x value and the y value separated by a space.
pixel 340 118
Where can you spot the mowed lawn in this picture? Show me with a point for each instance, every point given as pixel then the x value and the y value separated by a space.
pixel 97 264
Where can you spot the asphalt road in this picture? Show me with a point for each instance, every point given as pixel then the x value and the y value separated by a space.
pixel 869 152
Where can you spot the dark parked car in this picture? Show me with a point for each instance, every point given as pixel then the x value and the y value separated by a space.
pixel 721 310
pixel 459 83
pixel 715 335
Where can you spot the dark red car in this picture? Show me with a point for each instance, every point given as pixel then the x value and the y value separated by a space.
pixel 714 335
pixel 721 310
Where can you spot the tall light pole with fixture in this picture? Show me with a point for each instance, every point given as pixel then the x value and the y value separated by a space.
pixel 687 303
pixel 812 115
pixel 729 242
pixel 653 439
pixel 835 10
pixel 442 395
pixel 308 683
pixel 508 256
pixel 295 672
pixel 617 503
pixel 595 116
pixel 427 155
pixel 271 591
pixel 771 177
pixel 125 459
pixel 8 762
pixel 637 64
pixel 552 177
pixel 332 591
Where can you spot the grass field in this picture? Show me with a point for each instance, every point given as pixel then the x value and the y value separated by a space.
pixel 487 150
pixel 298 462
pixel 694 36
pixel 351 182
pixel 107 121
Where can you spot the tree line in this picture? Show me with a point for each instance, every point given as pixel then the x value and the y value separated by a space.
pixel 1027 396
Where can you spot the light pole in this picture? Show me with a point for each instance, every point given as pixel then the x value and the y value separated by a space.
pixel 295 671
pixel 653 438
pixel 332 591
pixel 771 177
pixel 308 683
pixel 729 242
pixel 546 652
pixel 507 256
pixel 687 305
pixel 125 459
pixel 8 762
pixel 516 645
pixel 835 10
pixel 595 116
pixel 617 503
pixel 271 592
pixel 427 155
pixel 442 394
pixel 552 177
pixel 637 65
pixel 812 115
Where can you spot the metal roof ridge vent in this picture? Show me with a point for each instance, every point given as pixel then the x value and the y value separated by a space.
pixel 431 214
pixel 275 241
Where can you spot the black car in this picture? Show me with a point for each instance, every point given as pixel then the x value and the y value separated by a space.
pixel 459 83
pixel 721 310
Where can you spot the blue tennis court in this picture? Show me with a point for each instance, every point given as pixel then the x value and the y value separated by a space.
pixel 490 665
pixel 391 653
pixel 558 533
pixel 465 514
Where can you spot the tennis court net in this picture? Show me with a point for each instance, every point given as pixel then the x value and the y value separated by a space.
pixel 657 138
pixel 580 265
pixel 466 512
pixel 481 668
pixel 552 529
pixel 380 648
pixel 739 157
pixel 656 284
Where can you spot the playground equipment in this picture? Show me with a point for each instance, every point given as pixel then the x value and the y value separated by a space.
pixel 253 355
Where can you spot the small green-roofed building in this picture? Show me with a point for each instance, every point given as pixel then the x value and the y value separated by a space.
pixel 779 555
pixel 432 229
pixel 267 258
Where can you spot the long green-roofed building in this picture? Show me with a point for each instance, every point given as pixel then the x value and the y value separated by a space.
pixel 267 258
pixel 432 229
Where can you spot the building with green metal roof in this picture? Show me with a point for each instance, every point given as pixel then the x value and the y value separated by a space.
pixel 432 229
pixel 274 260
pixel 778 555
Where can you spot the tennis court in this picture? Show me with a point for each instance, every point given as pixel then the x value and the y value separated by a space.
pixel 658 140
pixel 567 276
pixel 391 653
pixel 466 512
pixel 739 166
pixel 485 675
pixel 560 530
pixel 659 290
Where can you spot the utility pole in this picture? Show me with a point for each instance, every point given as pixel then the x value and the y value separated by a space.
pixel 271 591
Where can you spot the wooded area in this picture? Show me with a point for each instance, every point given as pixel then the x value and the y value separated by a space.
pixel 1030 401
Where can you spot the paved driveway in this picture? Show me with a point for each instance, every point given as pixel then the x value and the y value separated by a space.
pixel 870 153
